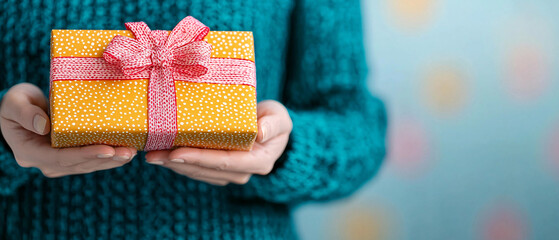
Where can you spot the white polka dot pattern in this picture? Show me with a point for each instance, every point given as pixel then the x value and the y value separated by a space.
pixel 99 112
pixel 91 43
pixel 232 44
pixel 218 114
pixel 114 112
pixel 82 43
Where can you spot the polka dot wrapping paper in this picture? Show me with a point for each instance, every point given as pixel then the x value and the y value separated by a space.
pixel 86 111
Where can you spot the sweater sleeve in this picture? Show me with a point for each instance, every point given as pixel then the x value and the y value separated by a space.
pixel 337 143
pixel 12 175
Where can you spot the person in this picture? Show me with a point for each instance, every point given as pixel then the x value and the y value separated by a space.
pixel 321 133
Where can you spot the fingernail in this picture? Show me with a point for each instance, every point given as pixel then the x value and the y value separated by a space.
pixel 177 160
pixel 104 155
pixel 121 158
pixel 263 129
pixel 156 162
pixel 39 123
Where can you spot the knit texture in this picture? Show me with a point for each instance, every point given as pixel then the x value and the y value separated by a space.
pixel 309 56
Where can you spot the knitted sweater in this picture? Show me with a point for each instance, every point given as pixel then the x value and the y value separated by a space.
pixel 309 56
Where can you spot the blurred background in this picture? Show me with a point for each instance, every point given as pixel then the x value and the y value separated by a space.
pixel 472 90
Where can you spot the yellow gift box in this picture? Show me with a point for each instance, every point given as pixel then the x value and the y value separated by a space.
pixel 115 111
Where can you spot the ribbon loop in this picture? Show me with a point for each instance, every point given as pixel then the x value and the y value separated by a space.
pixel 187 30
pixel 192 59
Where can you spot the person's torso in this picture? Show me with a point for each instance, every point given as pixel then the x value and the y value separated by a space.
pixel 139 201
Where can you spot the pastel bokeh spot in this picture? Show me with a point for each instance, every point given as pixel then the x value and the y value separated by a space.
pixel 408 149
pixel 411 15
pixel 528 54
pixel 553 150
pixel 472 93
pixel 364 222
pixel 504 221
pixel 527 72
pixel 445 89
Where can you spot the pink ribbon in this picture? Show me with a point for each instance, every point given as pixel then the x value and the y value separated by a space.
pixel 163 58
pixel 162 55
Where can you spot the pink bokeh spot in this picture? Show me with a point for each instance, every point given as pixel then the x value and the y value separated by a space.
pixel 528 72
pixel 553 150
pixel 408 148
pixel 504 222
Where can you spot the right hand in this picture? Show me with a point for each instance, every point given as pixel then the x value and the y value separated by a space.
pixel 25 126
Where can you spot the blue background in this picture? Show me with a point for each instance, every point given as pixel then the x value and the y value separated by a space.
pixel 472 90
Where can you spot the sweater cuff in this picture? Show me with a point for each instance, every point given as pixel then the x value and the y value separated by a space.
pixel 12 176
pixel 295 176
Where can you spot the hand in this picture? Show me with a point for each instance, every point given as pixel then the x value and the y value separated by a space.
pixel 25 126
pixel 221 167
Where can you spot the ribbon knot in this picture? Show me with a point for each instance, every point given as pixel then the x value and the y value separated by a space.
pixel 161 57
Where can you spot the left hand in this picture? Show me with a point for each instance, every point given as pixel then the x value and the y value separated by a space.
pixel 220 167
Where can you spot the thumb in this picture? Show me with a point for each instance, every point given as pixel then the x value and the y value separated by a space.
pixel 271 126
pixel 273 120
pixel 25 104
pixel 264 129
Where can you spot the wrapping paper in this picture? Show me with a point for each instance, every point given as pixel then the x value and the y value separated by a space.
pixel 115 111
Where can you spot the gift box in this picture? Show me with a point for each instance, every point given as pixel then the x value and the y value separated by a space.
pixel 153 90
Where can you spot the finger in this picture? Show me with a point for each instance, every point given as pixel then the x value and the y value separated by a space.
pixel 272 148
pixel 30 92
pixel 26 105
pixel 93 165
pixel 89 166
pixel 273 120
pixel 267 107
pixel 234 161
pixel 30 117
pixel 197 172
pixel 157 157
pixel 67 157
pixel 101 162
pixel 269 127
pixel 124 153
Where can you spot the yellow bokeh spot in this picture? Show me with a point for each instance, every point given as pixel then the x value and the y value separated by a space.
pixel 445 89
pixel 364 222
pixel 411 14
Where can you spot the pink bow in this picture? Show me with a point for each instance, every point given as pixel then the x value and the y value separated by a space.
pixel 164 56
pixel 182 51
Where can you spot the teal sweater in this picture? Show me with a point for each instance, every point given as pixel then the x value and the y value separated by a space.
pixel 309 56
